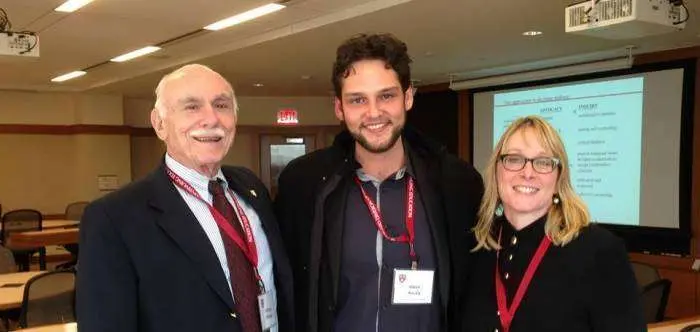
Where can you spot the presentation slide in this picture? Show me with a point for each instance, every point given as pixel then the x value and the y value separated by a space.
pixel 601 125
pixel 622 135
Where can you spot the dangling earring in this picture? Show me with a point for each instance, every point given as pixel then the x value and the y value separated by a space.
pixel 499 210
pixel 555 200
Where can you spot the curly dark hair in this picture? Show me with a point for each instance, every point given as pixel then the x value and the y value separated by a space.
pixel 385 47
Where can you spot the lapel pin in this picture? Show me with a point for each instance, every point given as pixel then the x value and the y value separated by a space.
pixel 252 192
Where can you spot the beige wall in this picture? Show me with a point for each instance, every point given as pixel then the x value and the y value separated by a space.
pixel 37 108
pixel 46 172
pixel 254 111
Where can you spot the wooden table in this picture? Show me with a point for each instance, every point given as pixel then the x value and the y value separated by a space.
pixel 43 238
pixel 11 297
pixel 59 223
pixel 68 327
pixel 673 325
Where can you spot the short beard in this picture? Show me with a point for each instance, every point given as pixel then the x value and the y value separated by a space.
pixel 395 134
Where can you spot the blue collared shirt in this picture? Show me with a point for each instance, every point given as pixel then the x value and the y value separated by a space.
pixel 200 183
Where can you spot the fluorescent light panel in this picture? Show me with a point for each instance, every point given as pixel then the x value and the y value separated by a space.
pixel 135 54
pixel 68 76
pixel 72 5
pixel 243 17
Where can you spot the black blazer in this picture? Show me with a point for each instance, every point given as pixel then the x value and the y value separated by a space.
pixel 585 286
pixel 145 263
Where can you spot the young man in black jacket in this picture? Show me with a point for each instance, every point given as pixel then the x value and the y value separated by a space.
pixel 377 226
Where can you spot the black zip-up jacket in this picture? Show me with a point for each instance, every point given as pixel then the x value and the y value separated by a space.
pixel 310 209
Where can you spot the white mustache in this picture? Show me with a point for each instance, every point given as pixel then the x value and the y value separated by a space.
pixel 216 132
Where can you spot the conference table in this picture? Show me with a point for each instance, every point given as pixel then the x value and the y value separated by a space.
pixel 12 288
pixel 68 327
pixel 47 237
pixel 673 325
pixel 57 223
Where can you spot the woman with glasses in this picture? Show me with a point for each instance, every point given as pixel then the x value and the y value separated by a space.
pixel 539 265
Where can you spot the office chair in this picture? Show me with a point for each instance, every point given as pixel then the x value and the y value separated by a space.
pixel 49 298
pixel 654 300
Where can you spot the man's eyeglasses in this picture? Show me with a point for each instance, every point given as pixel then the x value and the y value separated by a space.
pixel 516 162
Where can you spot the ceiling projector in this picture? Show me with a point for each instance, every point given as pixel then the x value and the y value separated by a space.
pixel 24 44
pixel 625 19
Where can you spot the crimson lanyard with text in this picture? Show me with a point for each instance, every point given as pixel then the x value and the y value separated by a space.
pixel 505 313
pixel 409 236
pixel 248 245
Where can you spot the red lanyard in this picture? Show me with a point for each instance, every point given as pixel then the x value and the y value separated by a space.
pixel 248 246
pixel 506 314
pixel 409 237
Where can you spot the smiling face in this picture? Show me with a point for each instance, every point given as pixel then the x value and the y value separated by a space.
pixel 198 123
pixel 525 194
pixel 373 106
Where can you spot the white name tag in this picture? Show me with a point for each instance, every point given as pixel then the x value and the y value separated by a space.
pixel 412 286
pixel 268 311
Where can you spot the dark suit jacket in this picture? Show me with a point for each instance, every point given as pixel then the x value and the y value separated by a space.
pixel 146 264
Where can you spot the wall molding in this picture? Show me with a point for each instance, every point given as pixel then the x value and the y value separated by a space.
pixel 84 129
pixel 76 129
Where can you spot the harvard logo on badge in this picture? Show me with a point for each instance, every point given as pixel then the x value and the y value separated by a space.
pixel 402 278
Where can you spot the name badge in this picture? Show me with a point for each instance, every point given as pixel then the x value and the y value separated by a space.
pixel 412 286
pixel 268 311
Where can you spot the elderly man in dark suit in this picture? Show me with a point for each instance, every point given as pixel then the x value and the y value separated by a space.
pixel 193 246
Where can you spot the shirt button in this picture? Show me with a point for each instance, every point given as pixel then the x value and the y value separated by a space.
pixel 510 257
pixel 233 315
pixel 507 276
pixel 498 313
pixel 513 240
pixel 495 330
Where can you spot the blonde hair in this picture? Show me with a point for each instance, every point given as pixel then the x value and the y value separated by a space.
pixel 564 220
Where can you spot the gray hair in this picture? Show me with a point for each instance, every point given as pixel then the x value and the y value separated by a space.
pixel 160 105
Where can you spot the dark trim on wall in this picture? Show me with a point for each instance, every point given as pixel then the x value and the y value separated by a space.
pixel 35 129
pixel 465 116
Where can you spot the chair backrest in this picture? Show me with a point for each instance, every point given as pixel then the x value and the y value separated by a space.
pixel 74 211
pixel 7 261
pixel 691 328
pixel 49 298
pixel 645 274
pixel 20 221
pixel 654 300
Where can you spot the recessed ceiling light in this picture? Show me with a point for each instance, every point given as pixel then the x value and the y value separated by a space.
pixel 72 5
pixel 68 76
pixel 258 85
pixel 305 77
pixel 429 54
pixel 135 54
pixel 245 16
pixel 532 33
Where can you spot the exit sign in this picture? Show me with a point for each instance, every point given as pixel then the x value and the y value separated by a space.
pixel 287 117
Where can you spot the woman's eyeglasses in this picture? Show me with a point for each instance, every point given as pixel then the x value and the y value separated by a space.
pixel 516 162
